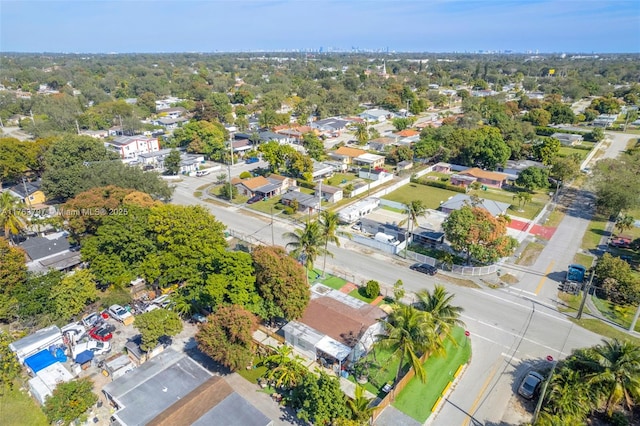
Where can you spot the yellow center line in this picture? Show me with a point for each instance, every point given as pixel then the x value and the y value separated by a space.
pixel 472 410
pixel 544 277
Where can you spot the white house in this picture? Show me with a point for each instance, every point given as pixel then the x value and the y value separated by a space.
pixel 376 115
pixel 130 147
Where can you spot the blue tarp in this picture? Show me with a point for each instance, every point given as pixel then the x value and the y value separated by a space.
pixel 60 355
pixel 83 357
pixel 40 361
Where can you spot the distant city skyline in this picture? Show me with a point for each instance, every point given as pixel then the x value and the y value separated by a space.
pixel 146 26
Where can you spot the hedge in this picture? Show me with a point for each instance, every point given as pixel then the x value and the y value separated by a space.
pixel 548 131
pixel 444 185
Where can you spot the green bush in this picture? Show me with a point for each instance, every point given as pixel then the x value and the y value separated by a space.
pixel 548 131
pixel 245 175
pixel 372 289
pixel 288 210
pixel 444 185
pixel 444 179
pixel 306 184
pixel 279 206
pixel 116 296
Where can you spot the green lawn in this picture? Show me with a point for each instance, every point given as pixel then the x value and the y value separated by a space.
pixel 329 280
pixel 429 195
pixel 594 233
pixel 554 218
pixel 358 293
pixel 416 399
pixel 529 211
pixel 622 315
pixel 382 369
pixel 253 374
pixel 566 151
pixel 571 303
pixel 603 329
pixel 17 409
pixel 530 254
pixel 338 178
pixel 583 259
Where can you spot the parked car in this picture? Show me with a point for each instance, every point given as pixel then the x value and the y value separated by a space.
pixel 252 160
pixel 254 199
pixel 424 268
pixel 75 328
pixel 98 348
pixel 198 319
pixel 119 313
pixel 530 385
pixel 202 173
pixel 102 332
pixel 91 320
pixel 162 301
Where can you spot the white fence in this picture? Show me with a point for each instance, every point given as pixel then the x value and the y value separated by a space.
pixel 379 245
pixel 456 269
pixel 370 185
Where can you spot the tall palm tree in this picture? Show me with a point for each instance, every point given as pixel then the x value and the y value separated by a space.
pixel 10 219
pixel 361 133
pixel 438 305
pixel 307 242
pixel 283 369
pixel 568 396
pixel 617 372
pixel 410 333
pixel 360 406
pixel 414 210
pixel 329 226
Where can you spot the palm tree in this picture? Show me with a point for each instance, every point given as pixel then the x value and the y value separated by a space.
pixel 10 218
pixel 617 372
pixel 410 333
pixel 624 222
pixel 568 396
pixel 443 314
pixel 360 406
pixel 329 225
pixel 414 209
pixel 307 243
pixel 283 370
pixel 361 133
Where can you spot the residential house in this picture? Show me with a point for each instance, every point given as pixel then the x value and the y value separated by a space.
pixel 493 179
pixel 96 134
pixel 325 169
pixel 442 168
pixel 306 202
pixel 376 115
pixel 346 154
pixel 51 251
pixel 462 180
pixel 241 146
pixel 404 165
pixel 258 185
pixel 513 168
pixel 174 390
pixel 358 210
pixel 331 194
pixel 605 120
pixel 170 123
pixel 28 192
pixel 407 136
pixel 370 161
pixel 174 112
pixel 460 200
pixel 164 104
pixel 335 328
pixel 295 133
pixel 569 139
pixel 333 126
pixel 283 181
pixel 155 160
pixel 383 144
pixel 130 147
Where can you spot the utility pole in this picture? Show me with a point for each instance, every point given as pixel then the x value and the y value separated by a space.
pixel 635 319
pixel 229 166
pixel 544 390
pixel 586 294
pixel 273 241
pixel 26 196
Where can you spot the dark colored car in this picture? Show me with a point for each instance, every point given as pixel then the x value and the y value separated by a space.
pixel 424 268
pixel 254 199
pixel 102 333
pixel 530 385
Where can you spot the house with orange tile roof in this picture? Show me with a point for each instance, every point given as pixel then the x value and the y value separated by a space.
pixel 485 177
pixel 346 154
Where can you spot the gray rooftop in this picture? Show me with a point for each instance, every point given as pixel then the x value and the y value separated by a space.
pixel 234 410
pixel 155 385
pixel 30 186
pixel 460 200
pixel 41 247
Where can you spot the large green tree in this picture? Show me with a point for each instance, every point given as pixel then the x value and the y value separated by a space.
pixel 156 324
pixel 319 400
pixel 12 215
pixel 285 369
pixel 172 162
pixel 9 367
pixel 616 183
pixel 228 336
pixel 70 401
pixel 533 178
pixel 74 293
pixel 281 280
pixel 474 231
pixel 202 137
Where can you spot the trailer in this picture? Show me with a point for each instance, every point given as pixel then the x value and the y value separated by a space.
pixel 34 343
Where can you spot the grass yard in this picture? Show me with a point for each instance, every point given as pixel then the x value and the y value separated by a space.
pixel 594 233
pixel 382 369
pixel 336 283
pixel 571 302
pixel 417 398
pixel 265 206
pixel 554 218
pixel 253 374
pixel 621 315
pixel 603 329
pixel 358 293
pixel 17 409
pixel 529 211
pixel 530 254
pixel 430 196
pixel 566 151
pixel 338 178
pixel 583 259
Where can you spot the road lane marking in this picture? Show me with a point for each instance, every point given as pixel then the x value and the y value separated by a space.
pixel 559 318
pixel 485 385
pixel 490 341
pixel 517 291
pixel 544 277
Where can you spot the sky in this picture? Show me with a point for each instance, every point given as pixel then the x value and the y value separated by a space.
pixel 128 26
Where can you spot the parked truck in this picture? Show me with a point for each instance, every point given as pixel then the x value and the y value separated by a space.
pixel 574 279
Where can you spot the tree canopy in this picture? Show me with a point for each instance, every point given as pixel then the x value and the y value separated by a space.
pixel 156 324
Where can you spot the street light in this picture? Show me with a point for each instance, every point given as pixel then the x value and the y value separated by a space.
pixel 544 389
pixel 229 165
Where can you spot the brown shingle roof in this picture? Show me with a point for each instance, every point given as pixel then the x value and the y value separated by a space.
pixel 339 321
pixel 349 152
pixel 407 133
pixel 255 182
pixel 199 401
pixel 483 174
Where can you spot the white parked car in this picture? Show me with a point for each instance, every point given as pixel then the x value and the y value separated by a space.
pixel 75 328
pixel 119 313
pixel 162 301
pixel 98 348
pixel 90 320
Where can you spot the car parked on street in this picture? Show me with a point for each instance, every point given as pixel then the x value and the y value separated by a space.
pixel 254 199
pixel 202 173
pixel 251 160
pixel 530 385
pixel 425 268
pixel 119 313
pixel 103 332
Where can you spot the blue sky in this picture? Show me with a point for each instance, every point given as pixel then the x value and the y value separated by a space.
pixel 94 26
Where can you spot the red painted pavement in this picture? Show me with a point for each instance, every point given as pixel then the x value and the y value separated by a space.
pixel 518 225
pixel 545 232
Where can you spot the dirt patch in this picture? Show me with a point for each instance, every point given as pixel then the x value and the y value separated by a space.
pixel 509 279
pixel 530 254
pixel 463 282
